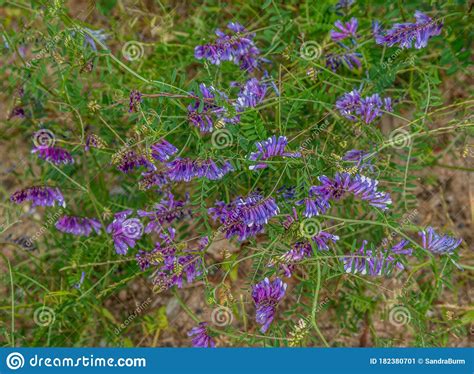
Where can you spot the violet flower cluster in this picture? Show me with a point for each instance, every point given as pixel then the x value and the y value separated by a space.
pixel 267 149
pixel 238 48
pixel 39 196
pixel 79 226
pixel 244 217
pixel 354 107
pixel 375 263
pixel 55 155
pixel 404 34
pixel 172 264
pixel 359 186
pixel 438 244
pixel 266 296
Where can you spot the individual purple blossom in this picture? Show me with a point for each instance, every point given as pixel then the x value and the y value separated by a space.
pixel 135 100
pixel 322 240
pixel 80 226
pixel 344 4
pixel 354 107
pixel 173 264
pixel 251 94
pixel 55 155
pixel 78 285
pixel 360 186
pixel 162 150
pixel 266 296
pixel 269 148
pixel 404 34
pixel 238 48
pixel 153 179
pixel 128 160
pixel 315 204
pixel 94 141
pixel 100 35
pixel 367 262
pixel 346 30
pixel 348 58
pixel 167 210
pixel 185 169
pixel 244 217
pixel 17 111
pixel 365 189
pixel 288 261
pixel 39 196
pixel 125 231
pixel 200 336
pixel 438 244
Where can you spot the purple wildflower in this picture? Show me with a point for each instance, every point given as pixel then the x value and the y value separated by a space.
pixel 153 179
pixel 348 58
pixel 245 217
pixel 135 100
pixel 55 155
pixel 201 338
pixel 173 264
pixel 266 296
pixel 162 150
pixel 185 169
pixel 252 93
pixel 403 34
pixel 17 111
pixel 125 231
pixel 204 113
pixel 238 48
pixel 80 226
pixel 365 188
pixel 94 141
pixel 39 196
pixel 78 285
pixel 353 107
pixel 322 240
pixel 127 160
pixel 438 244
pixel 166 211
pixel 270 148
pixel 373 263
pixel 360 186
pixel 346 30
pixel 288 261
